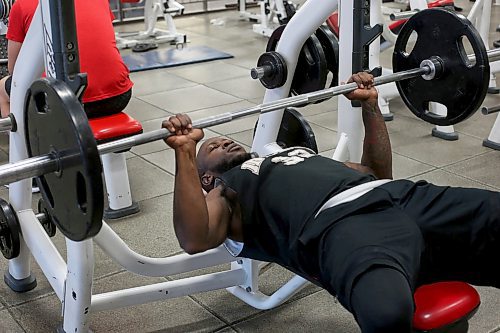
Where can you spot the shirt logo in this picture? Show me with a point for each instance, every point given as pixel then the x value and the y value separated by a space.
pixel 253 165
pixel 293 157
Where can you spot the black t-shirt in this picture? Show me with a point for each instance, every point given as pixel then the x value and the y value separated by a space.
pixel 280 193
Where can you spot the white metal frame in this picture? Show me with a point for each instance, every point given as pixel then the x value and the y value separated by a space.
pixel 117 186
pixel 76 274
pixel 480 16
pixel 153 9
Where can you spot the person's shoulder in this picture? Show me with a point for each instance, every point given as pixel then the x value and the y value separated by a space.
pixel 25 6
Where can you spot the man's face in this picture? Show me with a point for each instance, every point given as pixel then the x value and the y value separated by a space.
pixel 219 155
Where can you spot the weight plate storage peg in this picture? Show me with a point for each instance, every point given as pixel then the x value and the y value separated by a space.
pixel 272 71
pixel 9 231
pixel 462 84
pixel 56 124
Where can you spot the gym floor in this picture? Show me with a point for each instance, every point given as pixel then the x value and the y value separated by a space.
pixel 221 86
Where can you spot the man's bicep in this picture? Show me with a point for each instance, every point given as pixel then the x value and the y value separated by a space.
pixel 13 49
pixel 219 217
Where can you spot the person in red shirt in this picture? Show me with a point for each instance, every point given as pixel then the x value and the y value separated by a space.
pixel 109 87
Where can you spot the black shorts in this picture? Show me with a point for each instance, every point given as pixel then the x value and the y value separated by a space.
pixel 95 109
pixel 428 233
pixel 108 106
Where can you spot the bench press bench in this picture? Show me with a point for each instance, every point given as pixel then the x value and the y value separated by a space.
pixel 106 129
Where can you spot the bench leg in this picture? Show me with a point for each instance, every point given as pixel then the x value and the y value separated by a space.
pixel 117 186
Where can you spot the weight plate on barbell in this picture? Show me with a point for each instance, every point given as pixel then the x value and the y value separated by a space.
pixel 56 124
pixel 10 245
pixel 463 84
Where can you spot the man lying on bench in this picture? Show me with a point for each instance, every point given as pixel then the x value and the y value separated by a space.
pixel 368 240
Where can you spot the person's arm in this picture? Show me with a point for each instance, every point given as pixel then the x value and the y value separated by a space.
pixel 200 222
pixel 377 154
pixel 13 49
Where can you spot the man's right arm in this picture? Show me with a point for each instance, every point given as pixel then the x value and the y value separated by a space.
pixel 377 153
pixel 200 222
pixel 13 49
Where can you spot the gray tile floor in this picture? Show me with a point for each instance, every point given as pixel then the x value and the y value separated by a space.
pixel 211 88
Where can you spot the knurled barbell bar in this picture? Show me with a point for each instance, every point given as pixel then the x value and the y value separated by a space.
pixel 65 156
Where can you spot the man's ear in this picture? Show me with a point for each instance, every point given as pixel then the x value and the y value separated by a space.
pixel 207 181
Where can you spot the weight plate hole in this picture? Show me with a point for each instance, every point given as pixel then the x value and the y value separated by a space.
pixel 410 43
pixel 41 102
pixel 81 192
pixel 465 48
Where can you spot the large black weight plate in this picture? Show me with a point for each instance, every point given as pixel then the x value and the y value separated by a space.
pixel 56 124
pixel 330 44
pixel 9 231
pixel 462 86
pixel 311 71
pixel 295 131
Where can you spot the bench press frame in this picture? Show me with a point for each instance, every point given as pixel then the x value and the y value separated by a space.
pixel 75 276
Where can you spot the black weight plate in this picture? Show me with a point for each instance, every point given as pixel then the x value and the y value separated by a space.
pixel 9 231
pixel 330 44
pixel 295 131
pixel 461 87
pixel 311 71
pixel 48 224
pixel 56 124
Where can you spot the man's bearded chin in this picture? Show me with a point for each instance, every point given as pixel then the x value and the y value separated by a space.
pixel 228 164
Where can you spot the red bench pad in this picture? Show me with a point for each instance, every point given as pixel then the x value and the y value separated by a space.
pixel 113 127
pixel 443 303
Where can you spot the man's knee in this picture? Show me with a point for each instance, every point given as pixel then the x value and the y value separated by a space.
pixel 382 301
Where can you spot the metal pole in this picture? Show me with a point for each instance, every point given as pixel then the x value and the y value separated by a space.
pixel 40 165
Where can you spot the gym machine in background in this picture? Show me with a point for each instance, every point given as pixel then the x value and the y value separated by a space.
pixel 151 36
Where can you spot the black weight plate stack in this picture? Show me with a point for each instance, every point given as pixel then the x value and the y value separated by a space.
pixel 330 44
pixel 311 71
pixel 56 124
pixel 9 231
pixel 462 86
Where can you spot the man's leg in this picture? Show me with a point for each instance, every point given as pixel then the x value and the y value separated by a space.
pixel 382 301
pixel 5 95
pixel 461 230
pixel 370 261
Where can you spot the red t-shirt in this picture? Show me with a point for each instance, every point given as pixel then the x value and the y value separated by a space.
pixel 107 74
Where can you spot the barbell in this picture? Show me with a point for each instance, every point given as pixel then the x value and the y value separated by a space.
pixel 66 159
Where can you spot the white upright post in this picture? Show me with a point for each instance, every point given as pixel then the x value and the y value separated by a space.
pixel 78 288
pixel 302 25
pixel 349 118
pixel 29 66
pixel 387 91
